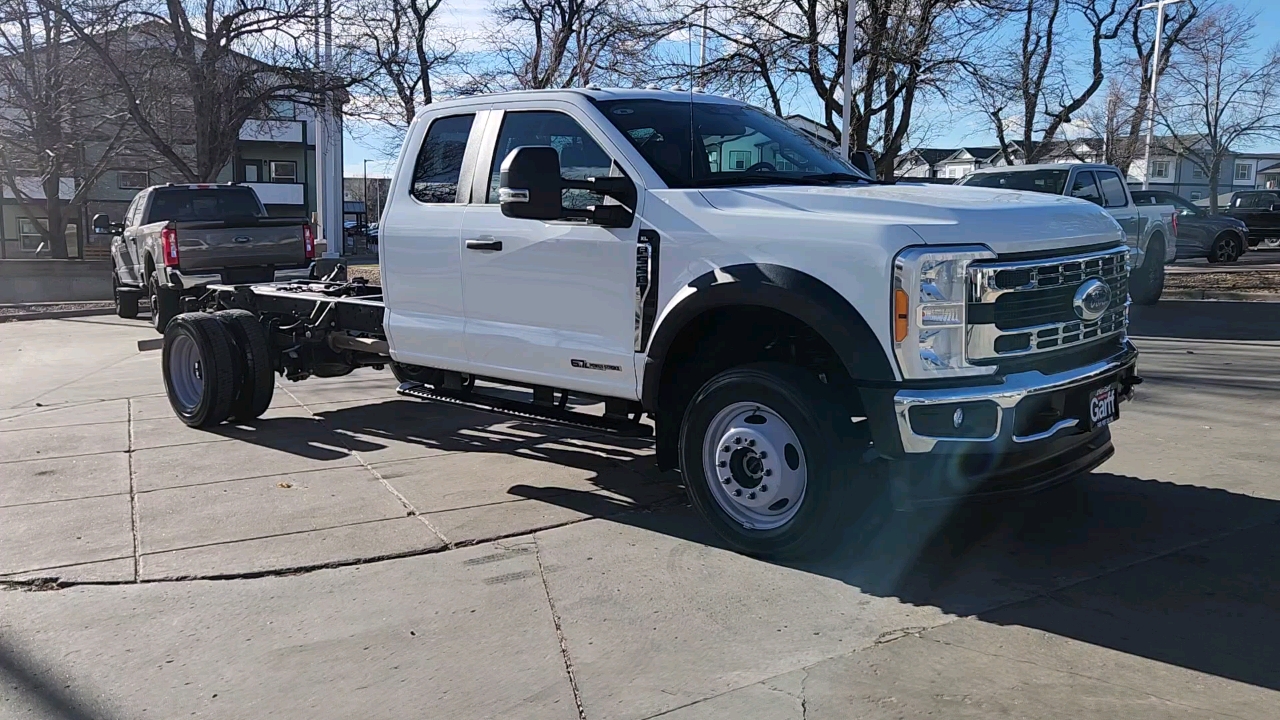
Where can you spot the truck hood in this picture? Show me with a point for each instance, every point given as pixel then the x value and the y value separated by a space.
pixel 1006 221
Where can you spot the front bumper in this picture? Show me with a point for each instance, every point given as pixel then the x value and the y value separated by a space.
pixel 1008 396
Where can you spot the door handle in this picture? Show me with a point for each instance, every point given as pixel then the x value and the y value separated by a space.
pixel 485 243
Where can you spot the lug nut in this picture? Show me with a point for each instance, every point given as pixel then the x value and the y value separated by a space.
pixel 751 496
pixel 764 455
pixel 767 472
pixel 737 493
pixel 737 441
pixel 724 449
pixel 764 488
pixel 726 481
pixel 751 443
pixel 722 463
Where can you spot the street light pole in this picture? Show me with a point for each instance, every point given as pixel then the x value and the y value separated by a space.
pixel 1155 80
pixel 846 109
pixel 364 192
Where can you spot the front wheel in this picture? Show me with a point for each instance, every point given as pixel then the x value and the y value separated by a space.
pixel 1146 283
pixel 771 462
pixel 1226 248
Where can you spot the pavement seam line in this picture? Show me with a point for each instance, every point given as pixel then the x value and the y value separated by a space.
pixel 555 620
pixel 1074 673
pixel 372 470
pixel 72 382
pixel 133 498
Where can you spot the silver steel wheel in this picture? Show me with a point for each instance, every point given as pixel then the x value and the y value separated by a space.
pixel 754 465
pixel 186 372
pixel 1271 242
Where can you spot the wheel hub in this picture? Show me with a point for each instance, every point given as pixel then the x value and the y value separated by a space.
pixel 754 465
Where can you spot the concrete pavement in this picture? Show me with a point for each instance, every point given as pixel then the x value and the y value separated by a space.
pixel 355 554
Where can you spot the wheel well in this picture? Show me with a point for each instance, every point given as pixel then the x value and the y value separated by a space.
pixel 726 337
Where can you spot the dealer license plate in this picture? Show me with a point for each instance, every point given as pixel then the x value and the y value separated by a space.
pixel 1104 406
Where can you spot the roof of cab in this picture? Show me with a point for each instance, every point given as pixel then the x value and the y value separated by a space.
pixel 590 93
pixel 1044 166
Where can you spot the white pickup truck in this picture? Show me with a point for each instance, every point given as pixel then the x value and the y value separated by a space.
pixel 809 347
pixel 1150 232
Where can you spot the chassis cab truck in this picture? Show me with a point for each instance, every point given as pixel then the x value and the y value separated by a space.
pixel 806 345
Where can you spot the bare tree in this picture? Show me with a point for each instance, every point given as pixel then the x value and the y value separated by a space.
pixel 399 49
pixel 563 43
pixel 1035 76
pixel 58 119
pixel 1223 93
pixel 209 66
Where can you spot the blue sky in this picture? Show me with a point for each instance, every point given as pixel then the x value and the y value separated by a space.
pixel 961 127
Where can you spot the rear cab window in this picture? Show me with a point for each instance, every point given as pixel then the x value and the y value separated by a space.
pixel 1051 181
pixel 184 204
pixel 438 167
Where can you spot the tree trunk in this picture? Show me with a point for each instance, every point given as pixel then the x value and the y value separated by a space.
pixel 1213 189
pixel 57 233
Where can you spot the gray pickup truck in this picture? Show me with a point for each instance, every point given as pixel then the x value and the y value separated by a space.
pixel 177 239
pixel 1151 232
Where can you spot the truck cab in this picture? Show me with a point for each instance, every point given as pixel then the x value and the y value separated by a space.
pixel 808 346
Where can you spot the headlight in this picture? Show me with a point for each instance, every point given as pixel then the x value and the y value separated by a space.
pixel 930 288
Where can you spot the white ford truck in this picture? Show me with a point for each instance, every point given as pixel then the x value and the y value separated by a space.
pixel 807 346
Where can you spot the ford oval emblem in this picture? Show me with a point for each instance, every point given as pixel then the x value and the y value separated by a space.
pixel 1092 299
pixel 241 239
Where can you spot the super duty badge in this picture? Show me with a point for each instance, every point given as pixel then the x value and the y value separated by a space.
pixel 584 365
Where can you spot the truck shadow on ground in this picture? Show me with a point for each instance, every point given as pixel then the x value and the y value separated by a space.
pixel 1206 320
pixel 1180 574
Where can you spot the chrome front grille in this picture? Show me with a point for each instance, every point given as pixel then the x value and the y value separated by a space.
pixel 1021 307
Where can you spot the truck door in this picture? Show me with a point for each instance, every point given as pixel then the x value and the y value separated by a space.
pixel 551 303
pixel 420 239
pixel 128 255
pixel 1116 201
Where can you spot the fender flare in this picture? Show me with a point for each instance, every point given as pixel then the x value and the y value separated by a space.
pixel 795 293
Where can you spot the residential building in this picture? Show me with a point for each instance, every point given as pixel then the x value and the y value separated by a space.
pixel 967 159
pixel 922 162
pixel 275 155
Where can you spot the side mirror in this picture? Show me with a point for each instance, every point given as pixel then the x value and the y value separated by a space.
pixel 864 161
pixel 530 184
pixel 102 224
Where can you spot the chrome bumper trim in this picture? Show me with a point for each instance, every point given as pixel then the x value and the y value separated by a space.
pixel 1006 395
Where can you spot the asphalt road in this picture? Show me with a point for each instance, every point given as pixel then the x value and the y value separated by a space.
pixel 355 554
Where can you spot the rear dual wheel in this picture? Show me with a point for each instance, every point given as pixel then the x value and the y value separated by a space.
pixel 217 366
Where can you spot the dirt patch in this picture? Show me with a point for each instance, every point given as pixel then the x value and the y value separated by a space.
pixel 1244 281
pixel 368 272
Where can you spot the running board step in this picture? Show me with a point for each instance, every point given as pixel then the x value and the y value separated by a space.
pixel 472 399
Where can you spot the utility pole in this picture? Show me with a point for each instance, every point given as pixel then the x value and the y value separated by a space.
pixel 328 142
pixel 846 109
pixel 364 192
pixel 1155 80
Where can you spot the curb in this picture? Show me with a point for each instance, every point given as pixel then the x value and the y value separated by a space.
pixel 1233 295
pixel 55 314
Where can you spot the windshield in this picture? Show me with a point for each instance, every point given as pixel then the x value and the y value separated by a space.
pixel 184 204
pixel 704 144
pixel 1050 181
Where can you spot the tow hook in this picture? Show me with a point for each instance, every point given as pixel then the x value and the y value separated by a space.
pixel 1127 384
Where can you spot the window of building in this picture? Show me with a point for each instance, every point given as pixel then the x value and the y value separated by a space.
pixel 1160 168
pixel 580 156
pixel 1197 173
pixel 1085 188
pixel 739 159
pixel 1244 171
pixel 439 163
pixel 1196 195
pixel 132 179
pixel 29 234
pixel 284 171
pixel 251 171
pixel 282 110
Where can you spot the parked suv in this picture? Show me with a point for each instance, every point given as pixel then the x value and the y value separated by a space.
pixel 812 347
pixel 1218 238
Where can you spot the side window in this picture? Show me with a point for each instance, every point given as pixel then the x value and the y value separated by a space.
pixel 1112 189
pixel 1085 188
pixel 580 156
pixel 439 163
pixel 1247 201
pixel 134 215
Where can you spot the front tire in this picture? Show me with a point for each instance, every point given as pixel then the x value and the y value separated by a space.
pixel 126 299
pixel 1146 283
pixel 199 369
pixel 164 303
pixel 1226 248
pixel 771 462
